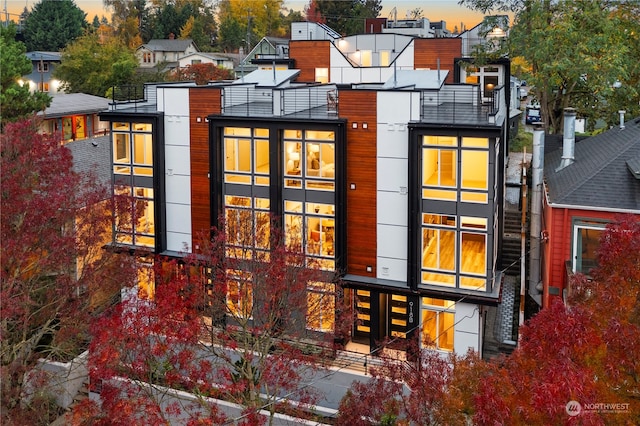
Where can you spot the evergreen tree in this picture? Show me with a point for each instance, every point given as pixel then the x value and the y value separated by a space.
pixel 16 101
pixel 52 24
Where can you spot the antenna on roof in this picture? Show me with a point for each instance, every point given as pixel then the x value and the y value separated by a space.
pixel 438 62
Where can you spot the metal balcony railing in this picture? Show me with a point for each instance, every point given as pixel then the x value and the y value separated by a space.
pixel 462 104
pixel 251 100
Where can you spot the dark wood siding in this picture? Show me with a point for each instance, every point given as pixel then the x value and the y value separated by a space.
pixel 429 50
pixel 360 107
pixel 202 102
pixel 308 56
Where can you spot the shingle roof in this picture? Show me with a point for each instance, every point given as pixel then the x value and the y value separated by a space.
pixel 74 103
pixel 168 45
pixel 45 56
pixel 600 176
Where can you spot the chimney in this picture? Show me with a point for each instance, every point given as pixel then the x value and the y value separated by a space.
pixel 622 113
pixel 568 138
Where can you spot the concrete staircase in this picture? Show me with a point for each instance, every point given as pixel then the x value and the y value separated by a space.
pixel 511 242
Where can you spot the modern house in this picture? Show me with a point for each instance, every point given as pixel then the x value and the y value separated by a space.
pixel 165 52
pixel 386 167
pixel 41 77
pixel 586 185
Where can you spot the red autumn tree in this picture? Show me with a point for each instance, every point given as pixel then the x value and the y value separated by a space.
pixel 585 352
pixel 418 391
pixel 54 274
pixel 312 12
pixel 202 73
pixel 230 322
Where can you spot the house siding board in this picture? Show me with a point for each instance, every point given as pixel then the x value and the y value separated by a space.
pixel 560 245
pixel 202 102
pixel 310 55
pixel 429 50
pixel 359 107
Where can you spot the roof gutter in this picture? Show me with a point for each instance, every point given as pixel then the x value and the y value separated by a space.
pixel 579 207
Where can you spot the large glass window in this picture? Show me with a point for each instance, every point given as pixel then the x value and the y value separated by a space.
pixel 443 262
pixel 461 166
pixel 438 321
pixel 246 155
pixel 321 306
pixel 137 139
pixel 311 226
pixel 247 223
pixel 309 159
pixel 134 222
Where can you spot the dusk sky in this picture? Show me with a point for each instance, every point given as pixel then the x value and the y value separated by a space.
pixel 434 10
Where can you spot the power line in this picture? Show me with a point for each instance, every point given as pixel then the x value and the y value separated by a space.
pixel 364 356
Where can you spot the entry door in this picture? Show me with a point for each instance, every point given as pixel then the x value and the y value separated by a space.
pixel 379 316
pixel 362 326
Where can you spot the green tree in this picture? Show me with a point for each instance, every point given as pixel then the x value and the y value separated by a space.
pixel 200 24
pixel 582 55
pixel 52 24
pixel 130 20
pixel 91 67
pixel 245 22
pixel 16 101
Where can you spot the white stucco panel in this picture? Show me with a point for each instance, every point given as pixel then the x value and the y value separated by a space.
pixel 392 208
pixel 392 174
pixel 393 140
pixel 391 269
pixel 394 107
pixel 178 189
pixel 175 102
pixel 178 242
pixel 177 160
pixel 176 130
pixel 467 317
pixel 467 330
pixel 392 241
pixel 179 218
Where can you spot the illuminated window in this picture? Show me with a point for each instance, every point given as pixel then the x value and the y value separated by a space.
pixel 246 155
pixel 321 306
pixel 441 237
pixel 322 75
pixel 385 58
pixel 146 281
pixel 134 218
pixel 247 226
pixel 239 295
pixel 438 321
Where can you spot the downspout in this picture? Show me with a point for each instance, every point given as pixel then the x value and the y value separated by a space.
pixel 535 226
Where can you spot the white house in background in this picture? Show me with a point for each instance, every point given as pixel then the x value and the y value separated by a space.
pixel 164 51
pixel 206 58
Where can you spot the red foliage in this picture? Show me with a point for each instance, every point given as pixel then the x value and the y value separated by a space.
pixel 407 392
pixel 55 273
pixel 313 13
pixel 586 352
pixel 194 336
pixel 202 73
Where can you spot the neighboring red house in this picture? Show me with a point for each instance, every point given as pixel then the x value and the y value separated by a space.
pixel 582 193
